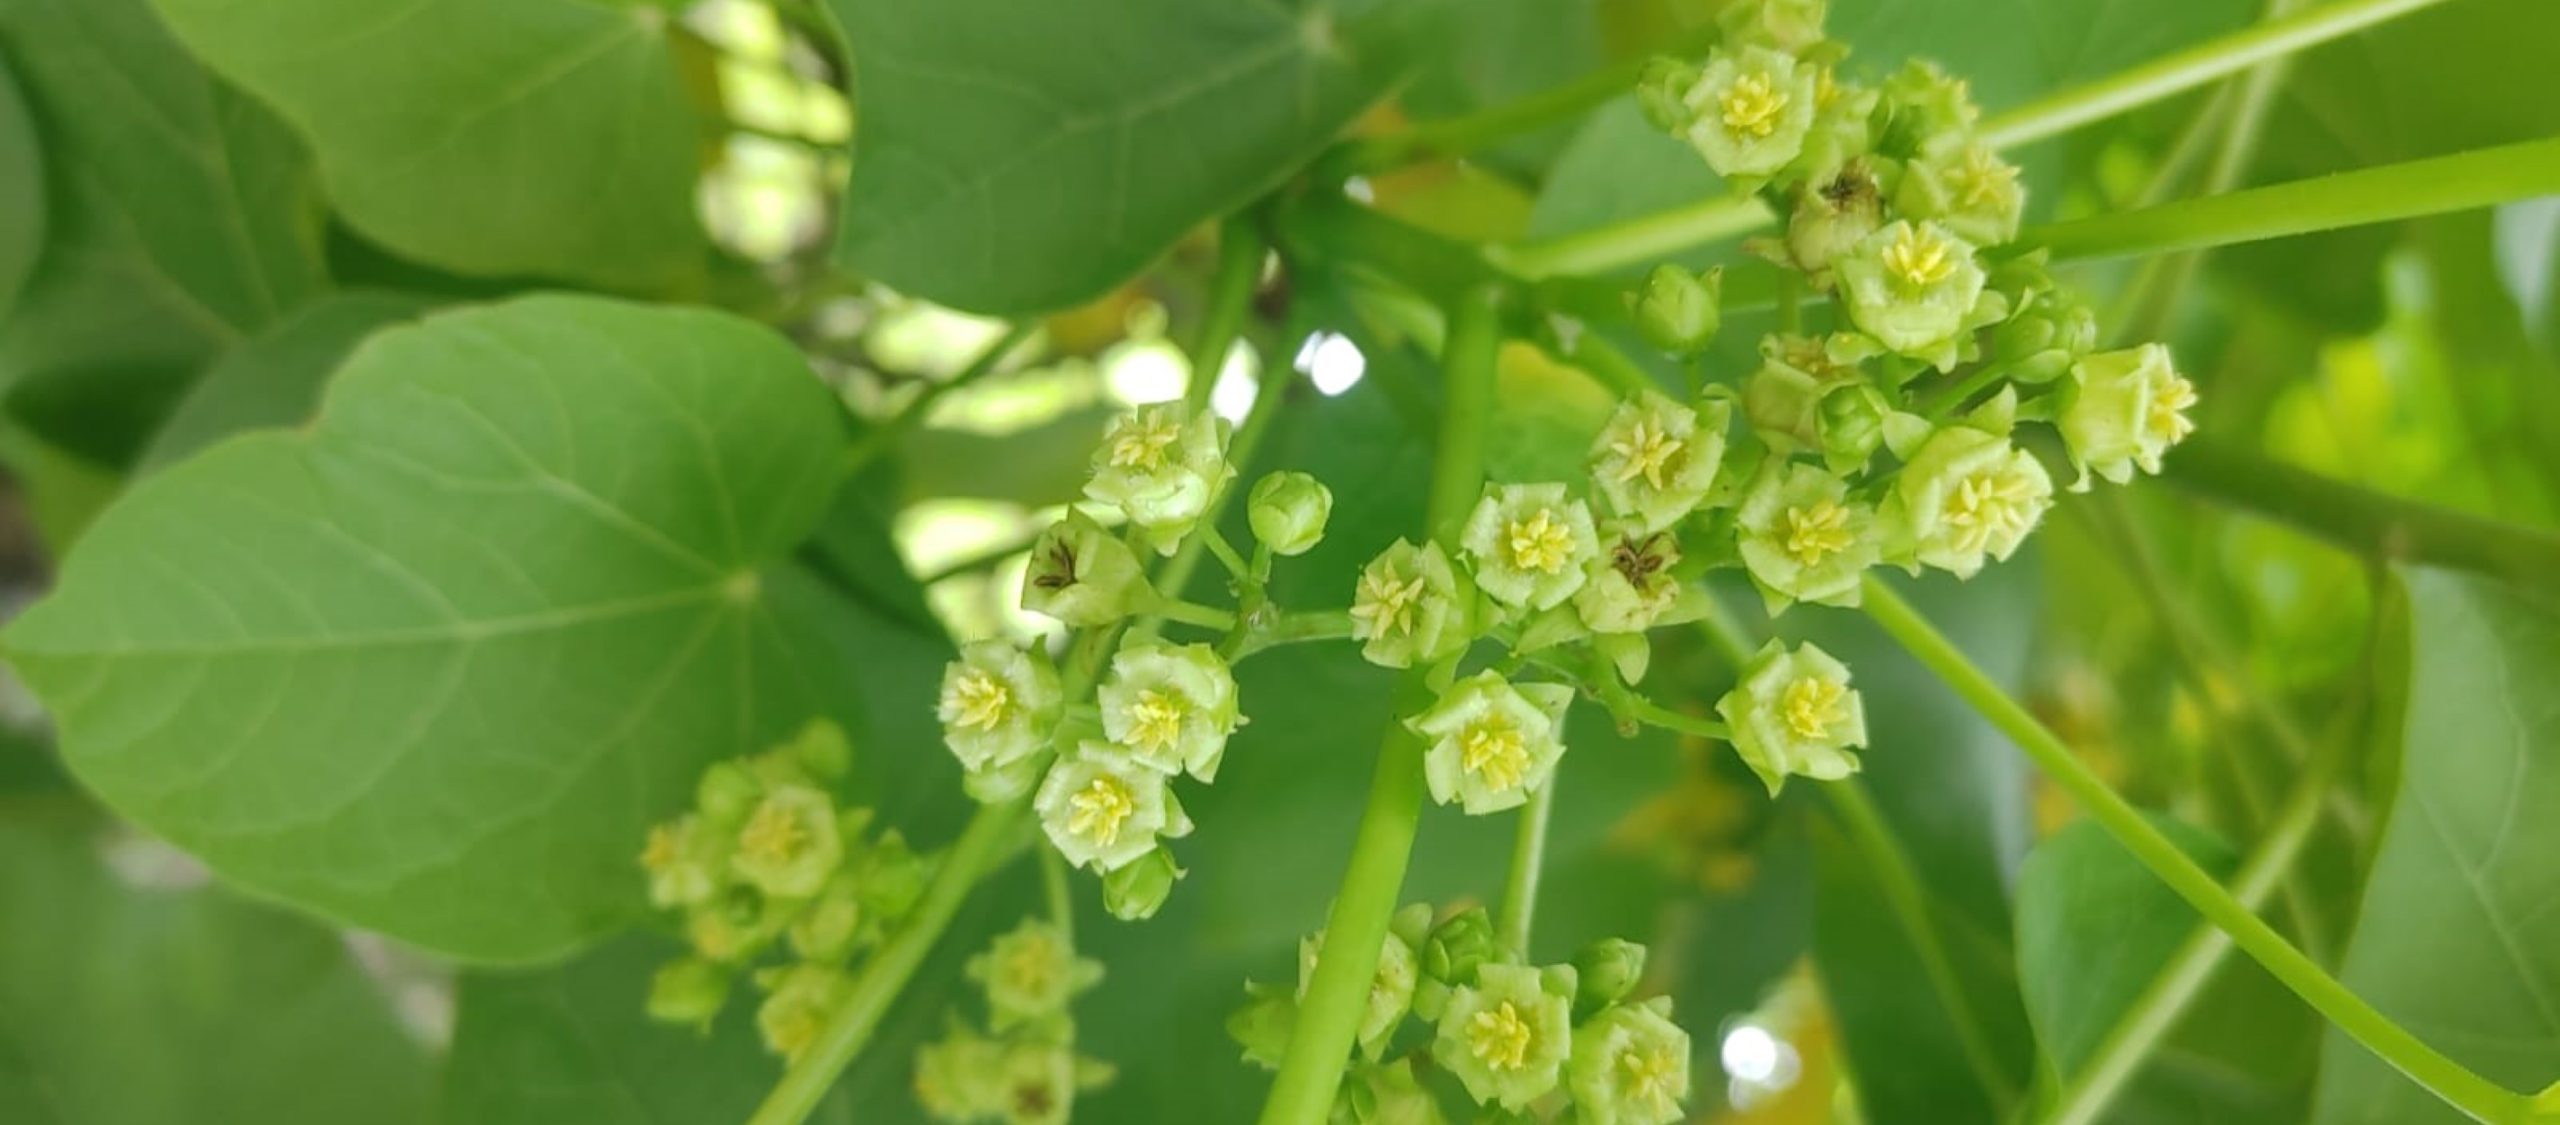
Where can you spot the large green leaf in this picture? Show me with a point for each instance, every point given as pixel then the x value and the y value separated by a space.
pixel 2457 939
pixel 276 378
pixel 21 190
pixel 544 137
pixel 571 1044
pixel 141 1005
pixel 432 666
pixel 179 218
pixel 1023 155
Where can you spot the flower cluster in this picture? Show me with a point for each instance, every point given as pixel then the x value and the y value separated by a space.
pixel 1022 1068
pixel 767 861
pixel 1514 1035
pixel 1099 769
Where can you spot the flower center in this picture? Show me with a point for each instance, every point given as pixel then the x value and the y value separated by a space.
pixel 2169 403
pixel 1098 812
pixel 793 1029
pixel 1988 504
pixel 1386 603
pixel 1752 105
pixel 1499 1038
pixel 1140 440
pixel 1983 178
pixel 1155 719
pixel 1540 543
pixel 1920 259
pixel 977 699
pixel 1817 531
pixel 1030 967
pixel 1495 751
pixel 773 835
pixel 1648 1077
pixel 1811 705
pixel 1645 452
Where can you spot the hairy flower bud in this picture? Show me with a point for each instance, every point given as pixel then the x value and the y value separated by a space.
pixel 1288 511
pixel 1630 1066
pixel 2129 408
pixel 999 704
pixel 1492 742
pixel 1161 465
pixel 1964 496
pixel 1794 713
pixel 1104 810
pixel 1170 706
pixel 1506 1035
pixel 1656 460
pixel 689 991
pixel 1913 287
pixel 1749 111
pixel 1679 311
pixel 1803 539
pixel 1134 893
pixel 1528 543
pixel 1082 574
pixel 1412 607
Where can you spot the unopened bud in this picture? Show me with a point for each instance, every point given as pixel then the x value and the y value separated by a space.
pixel 688 991
pixel 1677 311
pixel 1288 512
pixel 1609 969
pixel 1134 893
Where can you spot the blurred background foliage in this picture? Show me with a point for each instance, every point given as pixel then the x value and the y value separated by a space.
pixel 159 293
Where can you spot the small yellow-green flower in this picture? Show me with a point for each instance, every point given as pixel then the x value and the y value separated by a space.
pixel 1412 607
pixel 1529 543
pixel 1170 706
pixel 1630 1066
pixel 789 844
pixel 1655 460
pixel 1104 810
pixel 799 1002
pixel 2129 408
pixel 1783 399
pixel 1786 25
pixel 1390 989
pixel 1966 188
pixel 1631 584
pixel 685 861
pixel 1506 1035
pixel 1161 465
pixel 999 704
pixel 1749 111
pixel 1926 105
pixel 1967 495
pixel 1030 974
pixel 960 1078
pixel 1794 713
pixel 1913 287
pixel 1843 126
pixel 1082 574
pixel 1803 538
pixel 1492 742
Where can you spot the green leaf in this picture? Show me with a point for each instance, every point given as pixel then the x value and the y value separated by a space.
pixel 1018 156
pixel 275 379
pixel 432 666
pixel 2457 940
pixel 21 190
pixel 543 137
pixel 1618 167
pixel 571 1044
pixel 179 218
pixel 150 1005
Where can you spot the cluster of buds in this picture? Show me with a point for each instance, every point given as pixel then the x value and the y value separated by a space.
pixel 1022 1067
pixel 767 861
pixel 1518 1037
pixel 1101 777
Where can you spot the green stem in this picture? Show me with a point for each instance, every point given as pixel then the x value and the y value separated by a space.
pixel 2479 178
pixel 2457 1086
pixel 1296 628
pixel 1338 993
pixel 2371 523
pixel 885 435
pixel 1528 856
pixel 1240 256
pixel 2177 73
pixel 1594 354
pixel 1193 613
pixel 1226 553
pixel 1645 238
pixel 1654 714
pixel 887 972
pixel 1555 105
pixel 1900 881
pixel 1062 900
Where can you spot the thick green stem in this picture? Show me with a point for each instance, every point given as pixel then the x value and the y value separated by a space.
pixel 886 435
pixel 1519 907
pixel 1899 878
pixel 886 973
pixel 1240 256
pixel 2456 1085
pixel 1338 993
pixel 2177 73
pixel 2479 178
pixel 2371 523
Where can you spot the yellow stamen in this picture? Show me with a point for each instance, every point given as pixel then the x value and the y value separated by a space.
pixel 1817 531
pixel 1983 177
pixel 1540 543
pixel 977 699
pixel 1499 1038
pixel 1139 440
pixel 1645 452
pixel 1752 105
pixel 1030 966
pixel 1647 1077
pixel 1919 258
pixel 1495 751
pixel 773 835
pixel 1101 809
pixel 1385 604
pixel 1989 504
pixel 1155 719
pixel 2170 401
pixel 1812 706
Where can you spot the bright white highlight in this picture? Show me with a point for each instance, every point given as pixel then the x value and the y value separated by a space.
pixel 1233 394
pixel 1332 362
pixel 1749 1053
pixel 1142 373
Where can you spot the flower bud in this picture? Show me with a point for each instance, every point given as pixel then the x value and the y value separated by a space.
pixel 1388 1094
pixel 1390 988
pixel 1631 584
pixel 998 784
pixel 1607 970
pixel 1853 423
pixel 1134 893
pixel 2045 338
pixel 1749 111
pixel 1288 512
pixel 1965 496
pixel 893 879
pixel 2128 409
pixel 1630 1066
pixel 1030 974
pixel 726 794
pixel 822 748
pixel 1081 574
pixel 1170 706
pixel 1458 947
pixel 1656 460
pixel 1844 125
pixel 1161 465
pixel 1528 544
pixel 961 1077
pixel 1837 210
pixel 1924 103
pixel 1263 1025
pixel 735 925
pixel 1660 90
pixel 1104 810
pixel 1678 311
pixel 1492 742
pixel 1803 539
pixel 1966 188
pixel 1784 25
pixel 1040 1083
pixel 801 1000
pixel 831 927
pixel 789 844
pixel 688 991
pixel 1794 713
pixel 1506 1036
pixel 1412 607
pixel 1912 288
